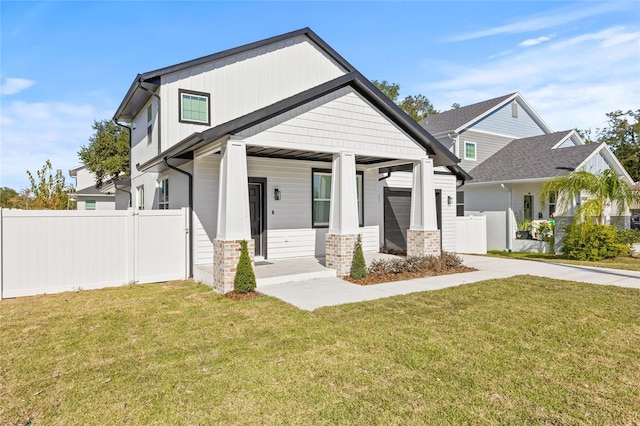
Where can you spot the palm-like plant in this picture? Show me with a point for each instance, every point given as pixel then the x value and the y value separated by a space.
pixel 601 189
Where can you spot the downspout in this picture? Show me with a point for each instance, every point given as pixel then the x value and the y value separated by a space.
pixel 114 183
pixel 159 115
pixel 165 160
pixel 509 218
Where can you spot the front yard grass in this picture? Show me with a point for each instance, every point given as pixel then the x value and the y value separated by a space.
pixel 629 263
pixel 512 351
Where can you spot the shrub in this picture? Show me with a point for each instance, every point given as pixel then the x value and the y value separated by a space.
pixel 628 236
pixel 399 265
pixel 359 265
pixel 588 241
pixel 244 280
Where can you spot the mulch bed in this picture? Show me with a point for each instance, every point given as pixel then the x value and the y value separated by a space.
pixel 385 278
pixel 242 296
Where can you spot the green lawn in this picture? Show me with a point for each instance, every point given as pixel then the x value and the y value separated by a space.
pixel 628 263
pixel 512 351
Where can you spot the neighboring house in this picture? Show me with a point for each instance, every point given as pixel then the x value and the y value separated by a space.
pixel 88 197
pixel 510 152
pixel 283 143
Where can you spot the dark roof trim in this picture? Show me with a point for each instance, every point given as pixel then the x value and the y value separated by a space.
pixel 153 77
pixel 443 157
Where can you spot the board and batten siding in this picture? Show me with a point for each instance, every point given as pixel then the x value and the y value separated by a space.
pixel 446 183
pixel 245 82
pixel 289 229
pixel 502 122
pixel 342 120
pixel 596 164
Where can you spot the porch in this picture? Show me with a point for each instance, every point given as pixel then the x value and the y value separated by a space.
pixel 279 271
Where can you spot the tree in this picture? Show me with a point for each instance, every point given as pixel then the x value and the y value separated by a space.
pixel 8 197
pixel 455 105
pixel 245 279
pixel 107 155
pixel 601 189
pixel 623 136
pixel 418 107
pixel 49 191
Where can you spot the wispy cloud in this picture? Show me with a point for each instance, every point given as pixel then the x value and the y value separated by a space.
pixel 550 19
pixel 11 86
pixel 571 82
pixel 535 41
pixel 53 131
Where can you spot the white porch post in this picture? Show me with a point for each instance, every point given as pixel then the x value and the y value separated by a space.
pixel 233 215
pixel 343 214
pixel 423 236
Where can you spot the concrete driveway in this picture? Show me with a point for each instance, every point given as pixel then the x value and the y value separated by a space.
pixel 317 293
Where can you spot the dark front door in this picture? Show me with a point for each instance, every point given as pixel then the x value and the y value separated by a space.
pixel 257 216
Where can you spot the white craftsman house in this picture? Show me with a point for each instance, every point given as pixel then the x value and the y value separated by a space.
pixel 286 145
pixel 510 152
pixel 88 197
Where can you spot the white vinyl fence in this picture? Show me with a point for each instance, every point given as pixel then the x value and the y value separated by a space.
pixel 44 251
pixel 471 234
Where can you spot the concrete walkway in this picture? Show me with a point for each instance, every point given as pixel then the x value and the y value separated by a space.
pixel 317 293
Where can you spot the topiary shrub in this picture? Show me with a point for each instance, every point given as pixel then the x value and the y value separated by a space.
pixel 588 241
pixel 359 265
pixel 244 280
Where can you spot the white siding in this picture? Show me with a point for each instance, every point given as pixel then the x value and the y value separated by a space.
pixel 341 120
pixel 597 164
pixel 486 145
pixel 205 207
pixel 246 82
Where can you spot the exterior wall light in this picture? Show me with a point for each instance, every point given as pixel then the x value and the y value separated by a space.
pixel 276 194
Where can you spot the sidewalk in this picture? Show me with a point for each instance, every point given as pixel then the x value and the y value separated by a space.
pixel 317 293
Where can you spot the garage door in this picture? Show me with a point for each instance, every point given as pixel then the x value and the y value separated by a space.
pixel 397 216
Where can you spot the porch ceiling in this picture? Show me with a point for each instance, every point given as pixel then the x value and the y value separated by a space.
pixel 292 154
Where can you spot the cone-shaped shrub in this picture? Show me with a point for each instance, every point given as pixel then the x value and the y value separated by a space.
pixel 358 266
pixel 245 279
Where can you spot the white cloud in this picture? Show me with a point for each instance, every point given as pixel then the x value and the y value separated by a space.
pixel 534 41
pixel 34 132
pixel 11 86
pixel 554 18
pixel 570 82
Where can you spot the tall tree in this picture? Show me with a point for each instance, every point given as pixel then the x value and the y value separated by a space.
pixel 107 155
pixel 622 134
pixel 49 190
pixel 418 107
pixel 9 198
pixel 601 189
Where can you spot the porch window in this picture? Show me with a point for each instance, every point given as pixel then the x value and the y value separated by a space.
pixel 470 151
pixel 321 182
pixel 552 203
pixel 194 107
pixel 163 194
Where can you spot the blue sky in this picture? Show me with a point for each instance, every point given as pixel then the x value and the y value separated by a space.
pixel 64 64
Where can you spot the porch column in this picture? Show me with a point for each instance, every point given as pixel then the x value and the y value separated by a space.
pixel 423 236
pixel 233 215
pixel 343 215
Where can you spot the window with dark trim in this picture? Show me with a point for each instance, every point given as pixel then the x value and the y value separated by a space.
pixel 552 204
pixel 149 124
pixel 194 107
pixel 163 194
pixel 470 151
pixel 321 197
pixel 460 203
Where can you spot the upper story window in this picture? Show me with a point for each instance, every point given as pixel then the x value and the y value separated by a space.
pixel 149 123
pixel 322 197
pixel 163 194
pixel 140 202
pixel 194 107
pixel 470 151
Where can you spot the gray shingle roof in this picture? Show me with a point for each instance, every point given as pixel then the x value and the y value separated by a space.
pixel 532 158
pixel 450 120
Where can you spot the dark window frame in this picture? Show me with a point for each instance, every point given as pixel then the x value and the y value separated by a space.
pixel 360 197
pixel 195 93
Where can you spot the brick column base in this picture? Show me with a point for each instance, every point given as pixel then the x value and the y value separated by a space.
pixel 339 252
pixel 226 254
pixel 423 243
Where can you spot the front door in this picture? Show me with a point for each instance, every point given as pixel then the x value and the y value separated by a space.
pixel 257 215
pixel 528 207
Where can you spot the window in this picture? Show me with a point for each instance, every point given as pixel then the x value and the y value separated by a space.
pixel 470 151
pixel 514 109
pixel 90 205
pixel 140 203
pixel 460 203
pixel 322 197
pixel 163 194
pixel 149 124
pixel 194 107
pixel 552 204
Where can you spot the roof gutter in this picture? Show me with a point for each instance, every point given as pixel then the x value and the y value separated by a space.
pixel 165 160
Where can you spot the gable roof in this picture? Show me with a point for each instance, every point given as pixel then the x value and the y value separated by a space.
pixel 458 119
pixel 137 95
pixel 185 148
pixel 533 158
